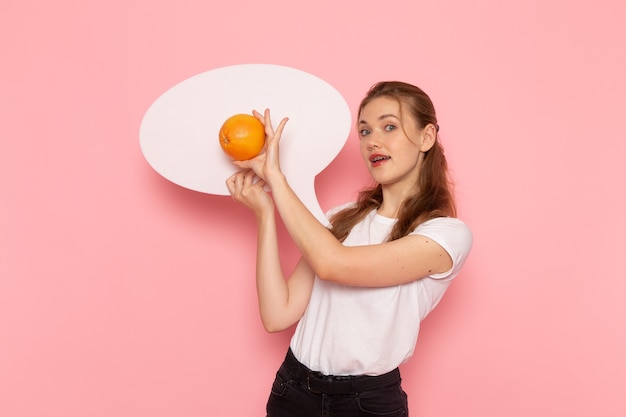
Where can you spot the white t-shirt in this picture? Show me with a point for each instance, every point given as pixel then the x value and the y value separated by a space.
pixel 349 330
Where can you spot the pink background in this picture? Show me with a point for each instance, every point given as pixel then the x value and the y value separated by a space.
pixel 122 294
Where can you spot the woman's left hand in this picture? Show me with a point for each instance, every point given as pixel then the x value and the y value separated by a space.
pixel 247 189
pixel 266 165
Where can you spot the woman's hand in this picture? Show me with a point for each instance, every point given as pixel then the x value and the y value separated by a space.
pixel 266 165
pixel 245 190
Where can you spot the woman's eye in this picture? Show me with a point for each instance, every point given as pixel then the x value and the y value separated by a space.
pixel 390 127
pixel 364 132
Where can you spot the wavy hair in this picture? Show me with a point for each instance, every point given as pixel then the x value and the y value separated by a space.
pixel 432 196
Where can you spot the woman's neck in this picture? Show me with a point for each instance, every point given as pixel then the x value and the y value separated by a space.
pixel 393 198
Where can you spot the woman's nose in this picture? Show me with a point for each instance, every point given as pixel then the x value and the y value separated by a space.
pixel 372 141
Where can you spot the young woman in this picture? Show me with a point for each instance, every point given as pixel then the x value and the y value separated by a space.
pixel 363 285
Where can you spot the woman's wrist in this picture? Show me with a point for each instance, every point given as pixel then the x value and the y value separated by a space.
pixel 265 212
pixel 276 178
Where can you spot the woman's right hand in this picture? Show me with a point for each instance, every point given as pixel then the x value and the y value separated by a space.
pixel 245 190
pixel 266 165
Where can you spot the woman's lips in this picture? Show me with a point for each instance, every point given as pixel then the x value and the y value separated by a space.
pixel 378 159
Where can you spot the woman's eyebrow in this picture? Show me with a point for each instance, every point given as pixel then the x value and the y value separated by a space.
pixel 381 117
pixel 384 116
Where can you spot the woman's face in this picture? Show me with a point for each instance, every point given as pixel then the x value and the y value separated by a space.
pixel 390 142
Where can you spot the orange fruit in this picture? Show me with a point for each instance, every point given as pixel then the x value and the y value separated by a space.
pixel 242 137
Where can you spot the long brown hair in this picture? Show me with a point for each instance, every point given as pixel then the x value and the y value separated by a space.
pixel 432 196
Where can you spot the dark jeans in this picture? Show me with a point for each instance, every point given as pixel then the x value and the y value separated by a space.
pixel 299 392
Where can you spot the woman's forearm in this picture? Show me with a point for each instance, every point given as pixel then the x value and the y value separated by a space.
pixel 272 289
pixel 316 243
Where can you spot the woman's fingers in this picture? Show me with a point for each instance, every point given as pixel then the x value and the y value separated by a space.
pixel 272 147
pixel 255 163
pixel 241 182
pixel 266 119
pixel 236 182
pixel 279 130
pixel 267 161
pixel 248 178
pixel 231 183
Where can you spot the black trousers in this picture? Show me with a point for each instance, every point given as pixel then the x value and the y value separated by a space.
pixel 299 392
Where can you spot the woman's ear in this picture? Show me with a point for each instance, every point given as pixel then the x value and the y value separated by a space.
pixel 429 136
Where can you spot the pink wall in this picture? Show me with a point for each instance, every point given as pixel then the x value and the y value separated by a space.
pixel 122 294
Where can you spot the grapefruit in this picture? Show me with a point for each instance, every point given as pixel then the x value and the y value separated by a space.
pixel 242 137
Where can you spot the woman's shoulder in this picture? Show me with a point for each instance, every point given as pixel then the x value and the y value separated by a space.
pixel 453 222
pixel 449 231
pixel 340 207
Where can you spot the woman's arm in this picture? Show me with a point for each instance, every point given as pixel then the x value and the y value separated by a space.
pixel 281 302
pixel 391 263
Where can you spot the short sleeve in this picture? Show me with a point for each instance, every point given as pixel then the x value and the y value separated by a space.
pixel 454 236
pixel 338 208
